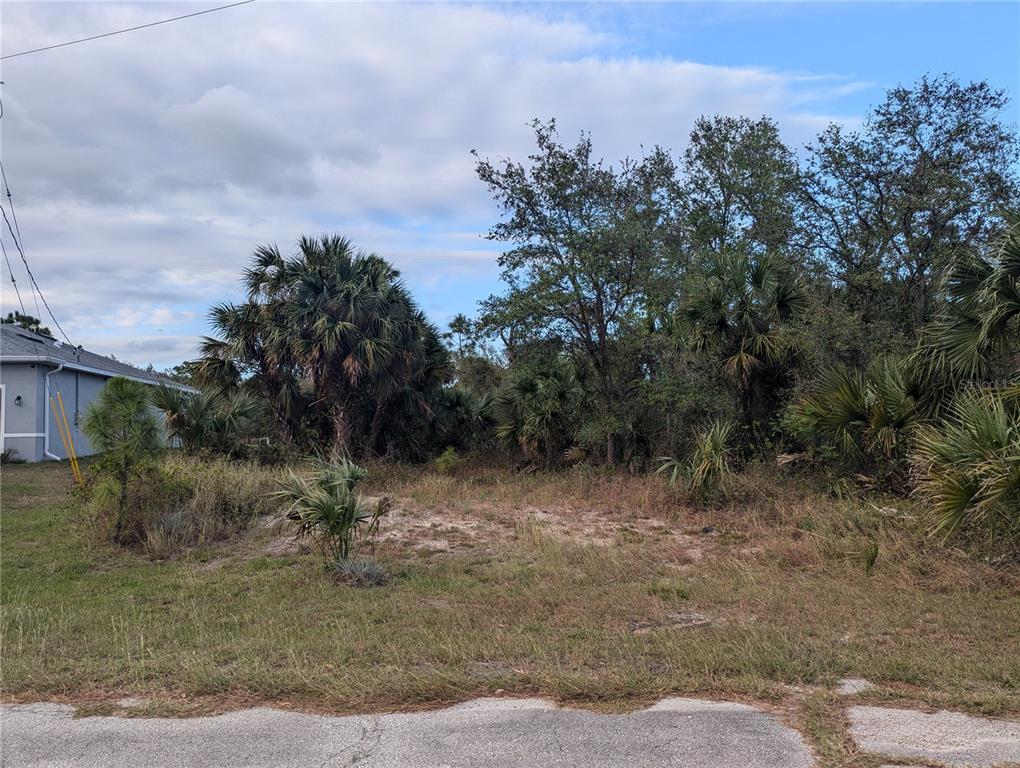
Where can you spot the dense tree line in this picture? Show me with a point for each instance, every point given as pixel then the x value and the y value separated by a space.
pixel 837 302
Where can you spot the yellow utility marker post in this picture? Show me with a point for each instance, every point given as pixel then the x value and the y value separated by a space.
pixel 73 455
pixel 60 416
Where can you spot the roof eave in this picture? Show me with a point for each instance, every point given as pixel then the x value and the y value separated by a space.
pixel 98 371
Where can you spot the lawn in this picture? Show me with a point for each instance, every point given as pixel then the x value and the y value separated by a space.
pixel 592 589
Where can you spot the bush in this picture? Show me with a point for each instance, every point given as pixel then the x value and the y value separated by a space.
pixel 182 502
pixel 360 572
pixel 448 462
pixel 10 456
pixel 536 413
pixel 266 452
pixel 866 417
pixel 968 467
pixel 209 420
pixel 708 467
pixel 128 517
pixel 121 425
pixel 325 509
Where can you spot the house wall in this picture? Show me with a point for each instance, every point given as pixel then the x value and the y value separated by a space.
pixel 78 391
pixel 23 424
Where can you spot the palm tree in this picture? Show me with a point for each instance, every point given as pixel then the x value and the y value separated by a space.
pixel 537 412
pixel 868 414
pixel 968 466
pixel 252 353
pixel 122 425
pixel 352 319
pixel 979 337
pixel 406 391
pixel 330 338
pixel 205 420
pixel 738 309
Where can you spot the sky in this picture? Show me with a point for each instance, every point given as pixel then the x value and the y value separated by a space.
pixel 146 167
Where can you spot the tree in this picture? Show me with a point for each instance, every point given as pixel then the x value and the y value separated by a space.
pixel 739 309
pixel 978 336
pixel 121 424
pixel 29 323
pixel 461 336
pixel 740 186
pixel 207 420
pixel 585 237
pixel 253 353
pixel 185 373
pixel 332 340
pixel 890 205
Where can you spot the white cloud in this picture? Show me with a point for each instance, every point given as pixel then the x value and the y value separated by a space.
pixel 146 166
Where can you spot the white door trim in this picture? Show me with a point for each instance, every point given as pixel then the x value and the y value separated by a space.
pixel 3 416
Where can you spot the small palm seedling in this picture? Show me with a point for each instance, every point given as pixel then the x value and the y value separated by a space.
pixel 325 509
pixel 708 466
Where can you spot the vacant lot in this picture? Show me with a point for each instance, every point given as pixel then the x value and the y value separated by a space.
pixel 606 591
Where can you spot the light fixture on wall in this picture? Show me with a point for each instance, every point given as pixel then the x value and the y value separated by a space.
pixel 17 400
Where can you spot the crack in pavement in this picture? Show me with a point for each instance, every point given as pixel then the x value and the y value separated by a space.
pixel 371 735
pixel 487 733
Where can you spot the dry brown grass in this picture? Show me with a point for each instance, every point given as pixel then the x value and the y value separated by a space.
pixel 581 586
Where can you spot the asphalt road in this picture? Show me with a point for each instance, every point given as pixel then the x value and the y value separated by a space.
pixel 486 733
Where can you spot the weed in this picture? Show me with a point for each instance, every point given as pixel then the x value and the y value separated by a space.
pixel 360 572
pixel 448 462
pixel 870 557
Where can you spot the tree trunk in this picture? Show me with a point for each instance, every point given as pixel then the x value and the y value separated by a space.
pixel 610 449
pixel 122 503
pixel 919 301
pixel 373 432
pixel 341 430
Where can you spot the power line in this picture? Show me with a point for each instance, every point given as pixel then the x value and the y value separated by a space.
pixel 14 282
pixel 24 260
pixel 10 200
pixel 126 29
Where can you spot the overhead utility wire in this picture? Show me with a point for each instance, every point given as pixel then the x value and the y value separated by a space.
pixel 122 31
pixel 31 277
pixel 14 281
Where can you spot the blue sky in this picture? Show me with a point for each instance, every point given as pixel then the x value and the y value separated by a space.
pixel 146 167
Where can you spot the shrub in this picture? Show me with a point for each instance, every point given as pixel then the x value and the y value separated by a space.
pixel 264 451
pixel 206 420
pixel 325 509
pixel 360 572
pixel 183 502
pixel 129 517
pixel 121 425
pixel 866 416
pixel 537 411
pixel 968 467
pixel 448 462
pixel 708 466
pixel 10 456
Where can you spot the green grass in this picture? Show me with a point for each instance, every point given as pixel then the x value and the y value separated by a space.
pixel 536 611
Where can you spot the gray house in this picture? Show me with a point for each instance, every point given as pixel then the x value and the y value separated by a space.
pixel 32 369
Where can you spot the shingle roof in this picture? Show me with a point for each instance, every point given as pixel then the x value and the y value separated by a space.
pixel 20 345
